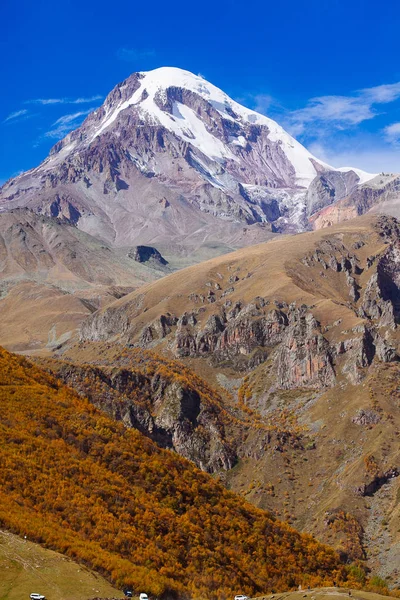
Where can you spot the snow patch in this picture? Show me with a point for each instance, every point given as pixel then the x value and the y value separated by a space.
pixel 364 177
pixel 185 124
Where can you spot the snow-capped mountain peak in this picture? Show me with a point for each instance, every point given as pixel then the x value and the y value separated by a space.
pixel 171 156
pixel 185 123
pixel 220 130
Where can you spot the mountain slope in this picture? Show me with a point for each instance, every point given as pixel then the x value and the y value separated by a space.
pixel 52 276
pixel 171 160
pixel 301 336
pixel 76 481
pixel 38 248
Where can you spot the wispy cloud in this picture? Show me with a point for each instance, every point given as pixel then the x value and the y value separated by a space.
pixel 337 111
pixel 134 54
pixel 381 94
pixel 341 112
pixel 16 116
pixel 371 157
pixel 262 103
pixel 66 123
pixel 46 101
pixel 392 133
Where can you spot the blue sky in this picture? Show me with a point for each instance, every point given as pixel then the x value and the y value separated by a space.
pixel 329 71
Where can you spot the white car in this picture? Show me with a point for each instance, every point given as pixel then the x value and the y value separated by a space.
pixel 37 597
pixel 143 597
pixel 241 597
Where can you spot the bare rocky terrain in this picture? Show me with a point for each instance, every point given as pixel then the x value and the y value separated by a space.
pixel 52 276
pixel 298 342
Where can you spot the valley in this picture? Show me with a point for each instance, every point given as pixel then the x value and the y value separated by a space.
pixel 200 359
pixel 310 433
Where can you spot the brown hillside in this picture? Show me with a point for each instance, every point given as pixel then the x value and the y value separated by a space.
pixel 274 270
pixel 52 276
pixel 302 330
pixel 80 483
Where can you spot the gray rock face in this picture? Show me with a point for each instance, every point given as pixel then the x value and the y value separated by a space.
pixel 379 195
pixel 381 300
pixel 329 187
pixel 304 358
pixel 240 335
pixel 104 326
pixel 169 412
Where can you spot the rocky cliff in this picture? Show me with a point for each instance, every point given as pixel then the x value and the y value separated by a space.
pixel 152 396
pixel 306 346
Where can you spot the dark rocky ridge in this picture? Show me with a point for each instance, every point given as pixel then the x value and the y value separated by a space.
pixel 143 254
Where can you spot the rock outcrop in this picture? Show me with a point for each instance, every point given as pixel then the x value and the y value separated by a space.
pixel 169 411
pixel 379 195
pixel 381 299
pixel 233 334
pixel 329 187
pixel 304 358
pixel 370 488
pixel 147 254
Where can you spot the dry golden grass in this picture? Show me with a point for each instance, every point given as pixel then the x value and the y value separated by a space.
pixel 26 567
pixel 268 270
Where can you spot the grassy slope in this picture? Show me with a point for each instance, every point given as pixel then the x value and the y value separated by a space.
pixel 325 594
pixel 26 567
pixel 262 270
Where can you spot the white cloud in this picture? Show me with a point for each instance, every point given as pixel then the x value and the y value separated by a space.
pixel 65 119
pixel 87 100
pixel 66 123
pixel 341 112
pixel 337 110
pixel 381 94
pixel 392 133
pixel 16 116
pixel 46 101
pixel 262 103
